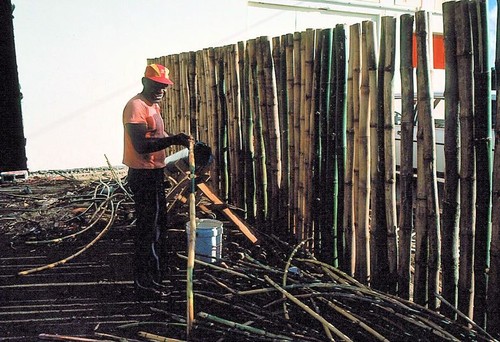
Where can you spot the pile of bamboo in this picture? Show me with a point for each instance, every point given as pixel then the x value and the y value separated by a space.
pixel 276 292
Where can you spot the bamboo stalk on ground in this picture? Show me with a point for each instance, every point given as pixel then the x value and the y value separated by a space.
pixel 482 129
pixel 363 148
pixel 389 148
pixel 349 217
pixel 493 306
pixel 467 172
pixel 406 168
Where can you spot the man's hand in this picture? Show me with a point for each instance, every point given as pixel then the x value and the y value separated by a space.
pixel 182 139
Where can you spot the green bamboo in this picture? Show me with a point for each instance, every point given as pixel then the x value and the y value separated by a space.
pixel 191 244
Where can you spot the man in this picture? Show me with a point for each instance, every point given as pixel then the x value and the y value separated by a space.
pixel 145 141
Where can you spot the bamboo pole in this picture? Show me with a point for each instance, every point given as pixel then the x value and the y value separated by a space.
pixel 260 184
pixel 278 53
pixel 450 216
pixel 273 150
pixel 325 227
pixel 356 37
pixel 493 306
pixel 264 154
pixel 425 119
pixel 193 95
pixel 467 172
pixel 349 218
pixel 421 233
pixel 247 162
pixel 307 125
pixel 390 167
pixel 406 168
pixel 296 131
pixel 288 41
pixel 191 244
pixel 363 148
pixel 248 137
pixel 482 138
pixel 338 124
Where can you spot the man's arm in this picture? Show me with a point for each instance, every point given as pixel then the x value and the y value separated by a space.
pixel 142 144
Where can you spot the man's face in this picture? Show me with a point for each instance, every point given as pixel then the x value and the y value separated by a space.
pixel 153 91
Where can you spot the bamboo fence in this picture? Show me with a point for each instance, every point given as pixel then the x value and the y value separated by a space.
pixel 302 132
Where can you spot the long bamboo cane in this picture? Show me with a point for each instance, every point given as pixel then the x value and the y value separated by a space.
pixel 482 140
pixel 363 149
pixel 467 187
pixel 450 216
pixel 191 243
pixel 406 165
pixel 389 148
pixel 493 323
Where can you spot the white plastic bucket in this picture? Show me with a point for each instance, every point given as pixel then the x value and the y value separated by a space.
pixel 208 245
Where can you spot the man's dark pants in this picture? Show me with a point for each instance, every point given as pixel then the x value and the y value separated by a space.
pixel 148 188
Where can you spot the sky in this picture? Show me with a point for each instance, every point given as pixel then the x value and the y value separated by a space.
pixel 80 61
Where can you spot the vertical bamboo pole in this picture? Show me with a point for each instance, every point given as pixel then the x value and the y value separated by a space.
pixel 296 131
pixel 482 129
pixel 338 127
pixel 449 240
pixel 263 129
pixel 390 167
pixel 325 225
pixel 467 172
pixel 193 95
pixel 355 179
pixel 191 244
pixel 421 280
pixel 247 167
pixel 426 121
pixel 376 262
pixel 349 217
pixel 493 306
pixel 273 149
pixel 308 133
pixel 290 80
pixel 406 168
pixel 201 109
pixel 249 147
pixel 363 148
pixel 380 233
pixel 279 46
pixel 260 176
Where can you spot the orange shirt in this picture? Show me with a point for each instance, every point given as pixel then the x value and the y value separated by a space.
pixel 139 110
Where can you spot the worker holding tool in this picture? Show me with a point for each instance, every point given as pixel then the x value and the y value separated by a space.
pixel 145 141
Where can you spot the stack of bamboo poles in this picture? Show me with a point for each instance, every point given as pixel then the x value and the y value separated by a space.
pixel 305 145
